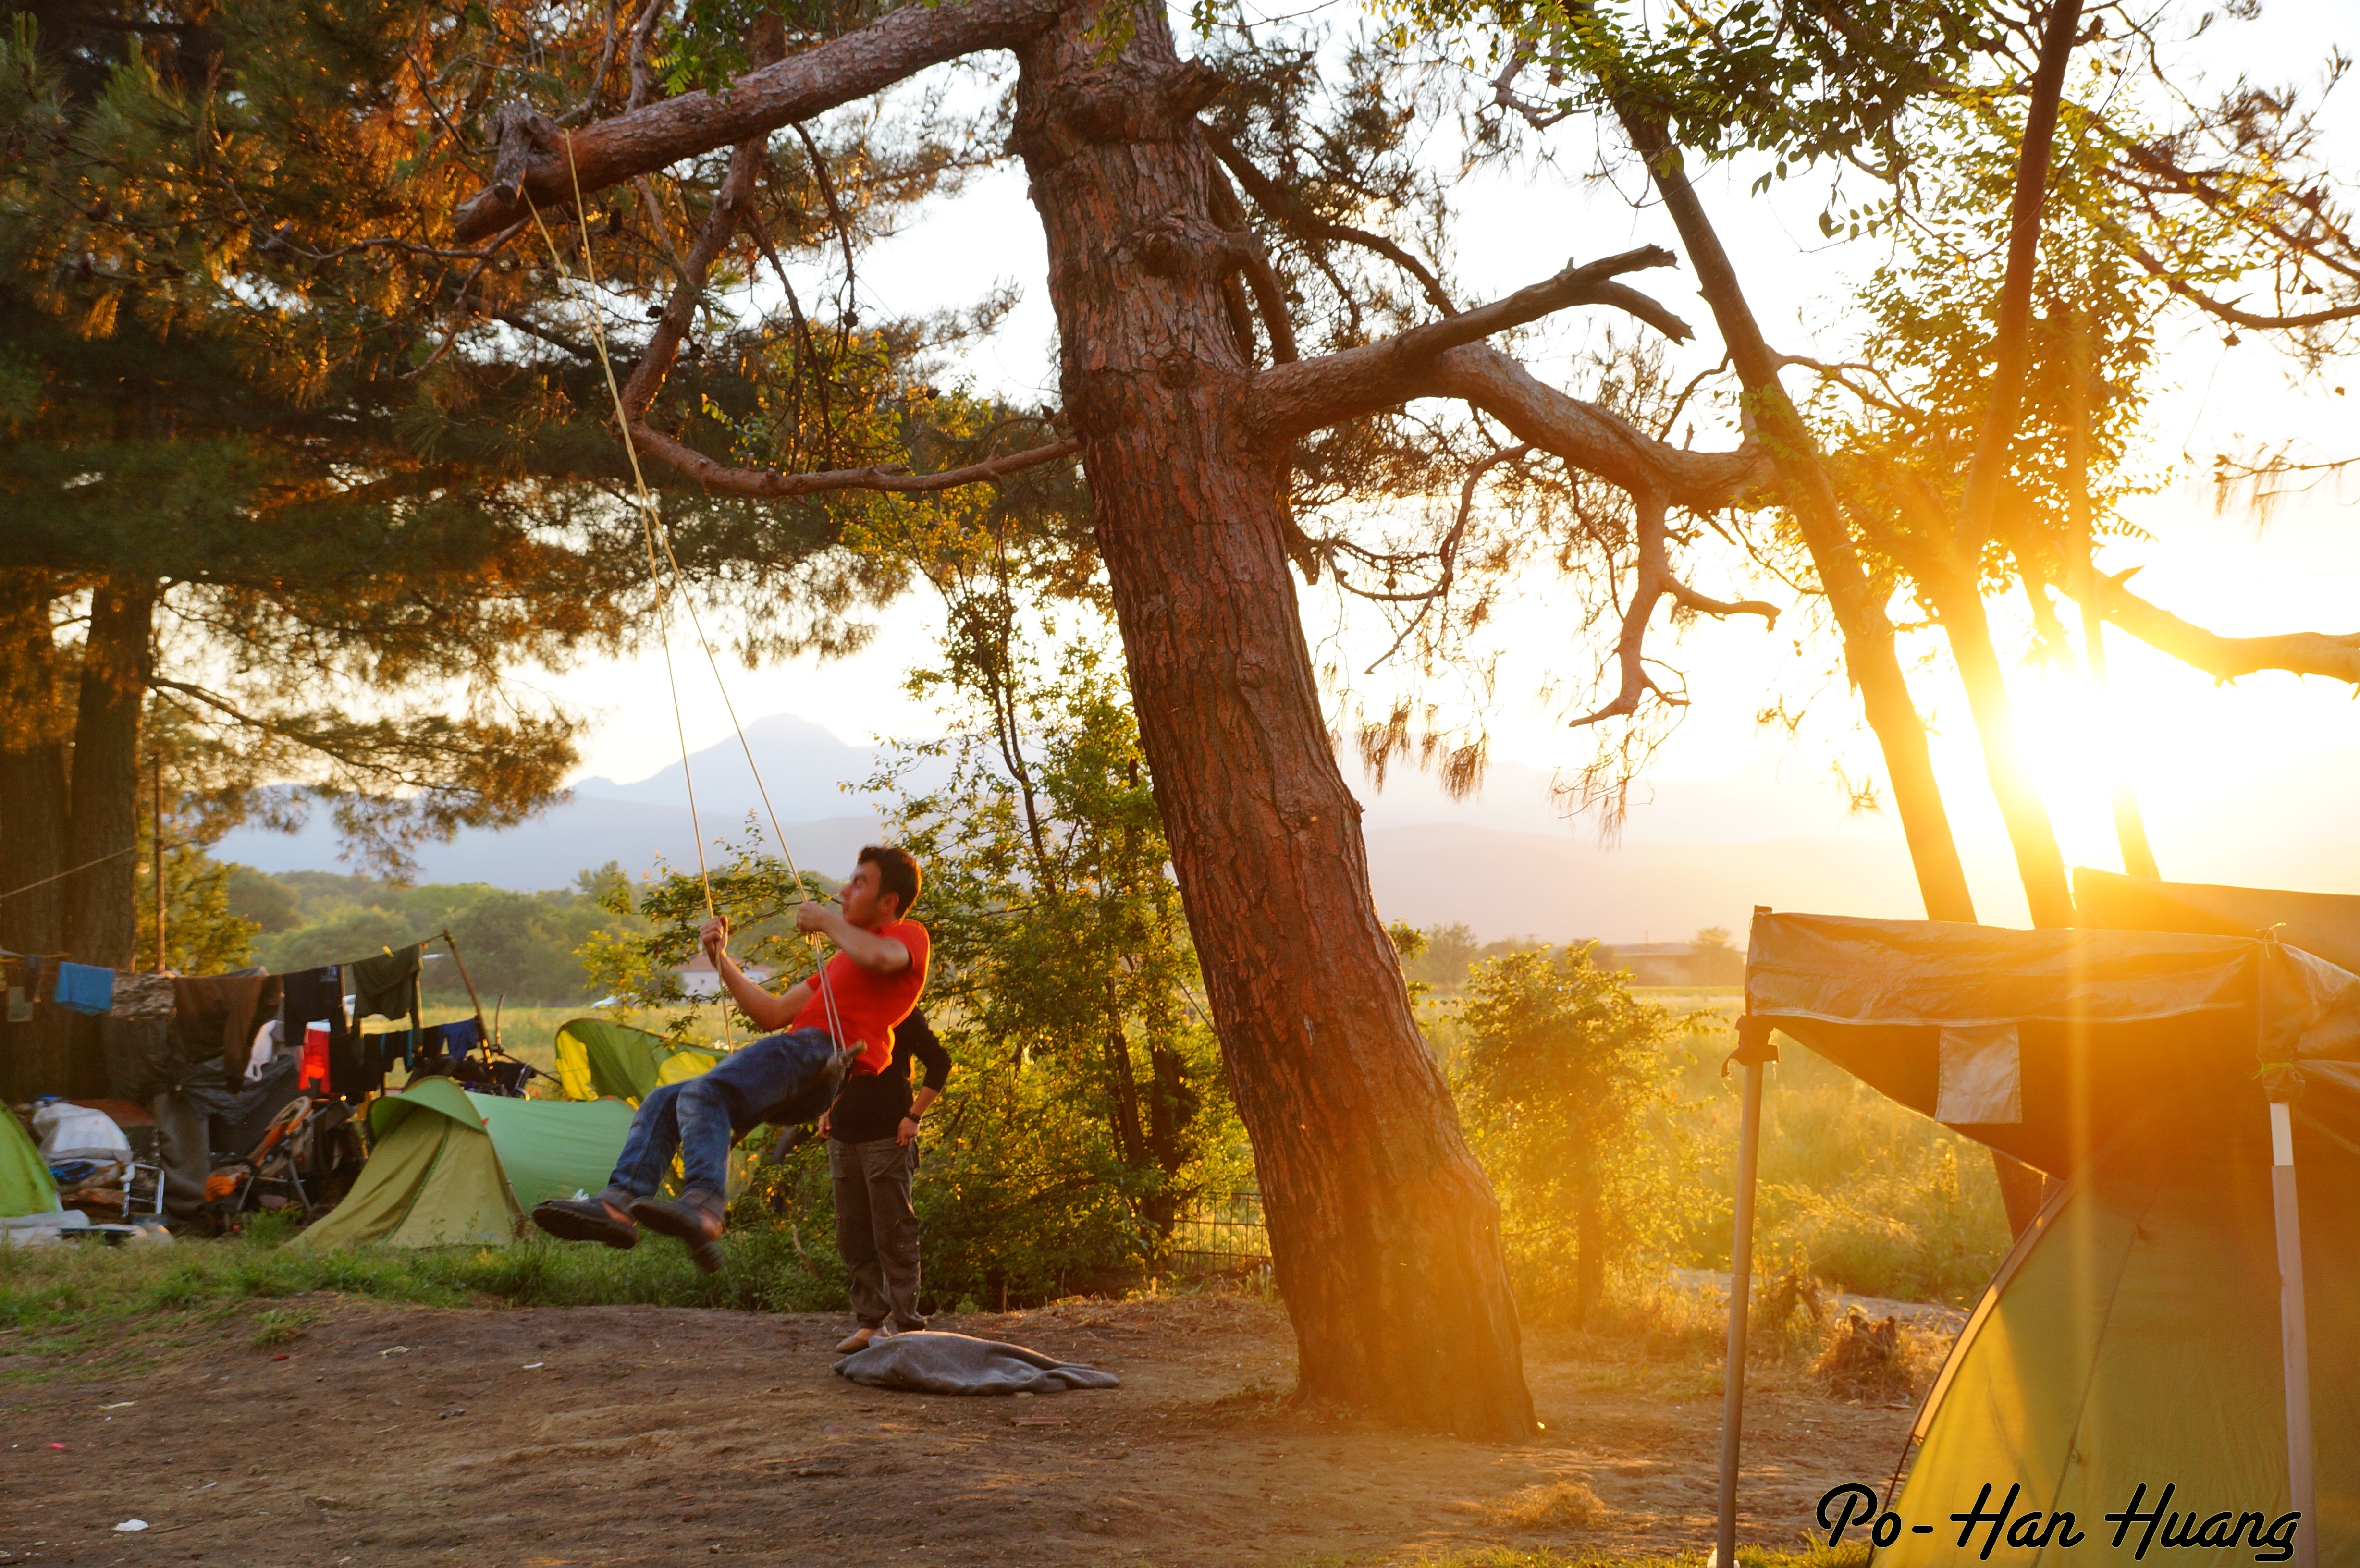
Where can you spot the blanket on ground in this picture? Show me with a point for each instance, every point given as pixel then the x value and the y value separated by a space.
pixel 958 1364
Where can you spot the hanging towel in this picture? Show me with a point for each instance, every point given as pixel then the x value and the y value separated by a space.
pixel 84 989
pixel 142 996
pixel 386 984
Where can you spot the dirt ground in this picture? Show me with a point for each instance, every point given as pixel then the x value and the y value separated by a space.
pixel 598 1435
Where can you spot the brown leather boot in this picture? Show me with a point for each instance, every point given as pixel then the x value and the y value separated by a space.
pixel 601 1219
pixel 696 1218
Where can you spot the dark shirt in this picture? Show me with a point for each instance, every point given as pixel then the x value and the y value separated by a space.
pixel 871 1105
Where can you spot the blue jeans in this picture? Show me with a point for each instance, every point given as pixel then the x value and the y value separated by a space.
pixel 700 1117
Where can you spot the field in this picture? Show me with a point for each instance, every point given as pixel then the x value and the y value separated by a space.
pixel 547 1405
pixel 329 1427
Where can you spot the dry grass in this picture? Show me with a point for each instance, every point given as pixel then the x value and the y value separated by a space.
pixel 1880 1360
pixel 1558 1505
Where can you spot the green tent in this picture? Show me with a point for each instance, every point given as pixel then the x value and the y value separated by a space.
pixel 25 1184
pixel 451 1167
pixel 2137 1334
pixel 597 1057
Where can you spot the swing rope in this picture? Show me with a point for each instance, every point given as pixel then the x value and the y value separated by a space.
pixel 649 524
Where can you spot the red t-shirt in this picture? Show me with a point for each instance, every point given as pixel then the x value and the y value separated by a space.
pixel 868 1004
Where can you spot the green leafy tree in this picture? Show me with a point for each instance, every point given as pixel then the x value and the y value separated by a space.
pixel 1059 941
pixel 1558 1065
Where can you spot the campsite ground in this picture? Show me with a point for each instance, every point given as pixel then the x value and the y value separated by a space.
pixel 637 1434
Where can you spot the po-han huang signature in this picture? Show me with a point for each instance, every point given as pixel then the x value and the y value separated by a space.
pixel 2272 1540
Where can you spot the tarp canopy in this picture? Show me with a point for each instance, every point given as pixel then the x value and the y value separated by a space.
pixel 2133 1336
pixel 597 1057
pixel 2324 924
pixel 450 1167
pixel 2047 1044
pixel 25 1184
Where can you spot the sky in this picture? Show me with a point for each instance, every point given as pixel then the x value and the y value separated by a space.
pixel 2233 778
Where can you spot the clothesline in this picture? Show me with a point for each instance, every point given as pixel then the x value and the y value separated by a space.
pixel 69 871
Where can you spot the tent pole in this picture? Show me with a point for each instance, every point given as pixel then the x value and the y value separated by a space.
pixel 1754 1047
pixel 2294 1335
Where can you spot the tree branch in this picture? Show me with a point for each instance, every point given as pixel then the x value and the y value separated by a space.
pixel 2225 658
pixel 2231 313
pixel 1292 400
pixel 532 152
pixel 1657 582
pixel 1979 503
pixel 1595 440
pixel 1288 209
pixel 714 475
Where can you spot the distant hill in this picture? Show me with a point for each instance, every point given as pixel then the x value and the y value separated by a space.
pixel 1693 853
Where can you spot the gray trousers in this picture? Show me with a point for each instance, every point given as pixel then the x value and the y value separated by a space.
pixel 876 1230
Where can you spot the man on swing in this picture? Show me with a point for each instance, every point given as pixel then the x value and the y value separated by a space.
pixel 837 1023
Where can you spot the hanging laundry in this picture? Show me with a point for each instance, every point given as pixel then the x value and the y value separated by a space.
pixel 212 1016
pixel 317 996
pixel 463 1036
pixel 387 984
pixel 142 996
pixel 20 1005
pixel 312 1077
pixel 264 1047
pixel 84 989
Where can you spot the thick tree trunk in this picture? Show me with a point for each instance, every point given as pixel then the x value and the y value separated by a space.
pixel 2039 863
pixel 103 823
pixel 1383 1231
pixel 35 1058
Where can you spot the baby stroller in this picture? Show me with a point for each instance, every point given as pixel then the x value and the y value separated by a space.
pixel 304 1159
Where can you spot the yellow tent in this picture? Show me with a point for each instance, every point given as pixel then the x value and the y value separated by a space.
pixel 597 1057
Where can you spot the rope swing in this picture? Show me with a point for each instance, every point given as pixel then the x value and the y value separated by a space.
pixel 655 536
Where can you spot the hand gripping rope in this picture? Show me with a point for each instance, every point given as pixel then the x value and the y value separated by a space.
pixel 655 536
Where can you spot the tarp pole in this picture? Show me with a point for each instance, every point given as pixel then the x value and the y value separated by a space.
pixel 2295 1338
pixel 1754 1047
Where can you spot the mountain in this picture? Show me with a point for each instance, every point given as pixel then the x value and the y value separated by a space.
pixel 1692 852
pixel 804 767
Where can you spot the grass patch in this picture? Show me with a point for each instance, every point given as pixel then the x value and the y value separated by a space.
pixel 74 1300
pixel 1853 1556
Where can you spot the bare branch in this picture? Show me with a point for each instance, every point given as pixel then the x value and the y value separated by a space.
pixel 841 71
pixel 714 475
pixel 1288 209
pixel 1295 399
pixel 2225 658
pixel 1656 582
pixel 1598 441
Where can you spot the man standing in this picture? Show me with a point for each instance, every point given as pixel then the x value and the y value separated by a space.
pixel 872 1157
pixel 842 1020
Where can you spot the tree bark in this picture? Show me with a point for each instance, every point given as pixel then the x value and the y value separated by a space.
pixel 102 821
pixel 1384 1233
pixel 538 161
pixel 33 728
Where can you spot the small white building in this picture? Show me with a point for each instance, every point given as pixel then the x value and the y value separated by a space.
pixel 698 977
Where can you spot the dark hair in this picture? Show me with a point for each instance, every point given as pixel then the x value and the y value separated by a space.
pixel 897 873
